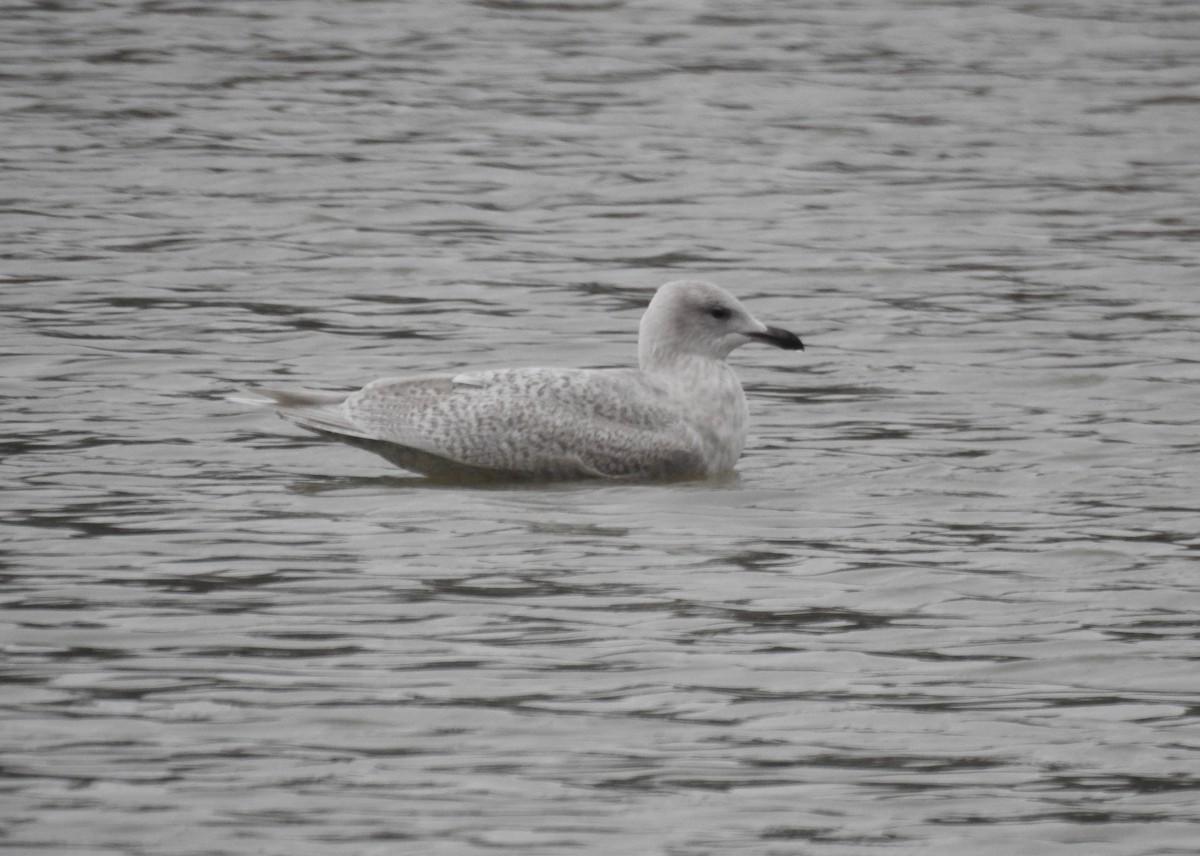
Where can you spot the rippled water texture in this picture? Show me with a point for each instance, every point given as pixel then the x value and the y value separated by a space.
pixel 948 606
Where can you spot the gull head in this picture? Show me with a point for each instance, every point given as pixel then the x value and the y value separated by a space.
pixel 701 320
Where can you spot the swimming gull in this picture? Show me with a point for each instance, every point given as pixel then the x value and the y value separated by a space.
pixel 681 414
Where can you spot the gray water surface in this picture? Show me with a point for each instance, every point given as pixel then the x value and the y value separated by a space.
pixel 949 604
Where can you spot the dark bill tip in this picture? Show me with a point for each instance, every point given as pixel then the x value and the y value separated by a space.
pixel 780 339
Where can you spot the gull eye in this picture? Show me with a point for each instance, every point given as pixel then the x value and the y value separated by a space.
pixel 719 312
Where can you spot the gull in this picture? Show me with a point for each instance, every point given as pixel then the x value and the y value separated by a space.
pixel 681 414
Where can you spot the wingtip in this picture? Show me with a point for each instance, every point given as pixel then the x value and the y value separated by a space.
pixel 264 396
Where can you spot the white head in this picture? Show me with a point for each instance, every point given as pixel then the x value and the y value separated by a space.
pixel 699 319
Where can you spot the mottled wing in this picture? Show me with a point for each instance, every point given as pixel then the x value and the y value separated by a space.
pixel 541 423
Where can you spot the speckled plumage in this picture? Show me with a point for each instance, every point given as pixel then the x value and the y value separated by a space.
pixel 682 413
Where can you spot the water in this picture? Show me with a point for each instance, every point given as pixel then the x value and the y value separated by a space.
pixel 949 603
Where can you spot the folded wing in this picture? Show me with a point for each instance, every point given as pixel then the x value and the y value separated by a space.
pixel 531 423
